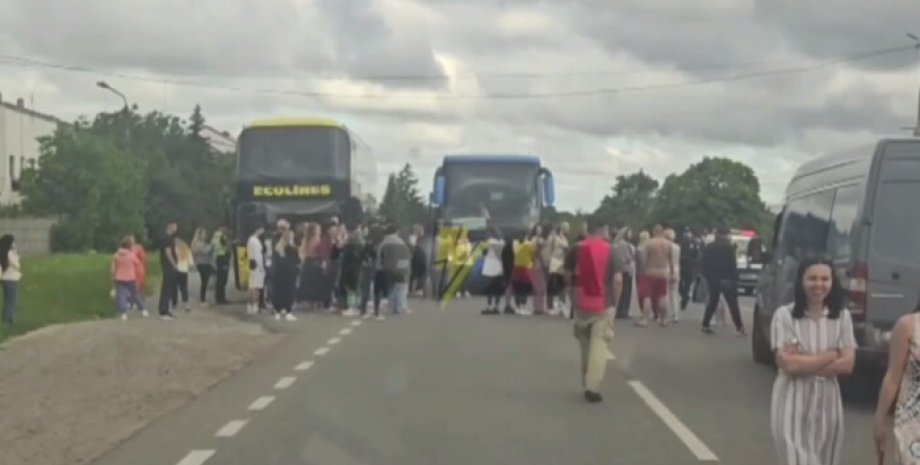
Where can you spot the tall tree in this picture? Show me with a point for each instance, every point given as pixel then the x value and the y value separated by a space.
pixel 390 203
pixel 402 202
pixel 196 123
pixel 95 188
pixel 630 201
pixel 178 175
pixel 712 192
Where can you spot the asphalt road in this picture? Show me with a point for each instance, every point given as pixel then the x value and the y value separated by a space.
pixel 454 387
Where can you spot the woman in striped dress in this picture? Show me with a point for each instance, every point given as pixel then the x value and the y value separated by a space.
pixel 814 343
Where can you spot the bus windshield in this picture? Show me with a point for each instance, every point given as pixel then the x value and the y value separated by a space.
pixel 294 152
pixel 501 194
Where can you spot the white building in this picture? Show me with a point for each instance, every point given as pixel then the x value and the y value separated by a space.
pixel 20 128
pixel 220 141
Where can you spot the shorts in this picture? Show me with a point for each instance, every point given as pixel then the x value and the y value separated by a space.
pixel 257 279
pixel 652 287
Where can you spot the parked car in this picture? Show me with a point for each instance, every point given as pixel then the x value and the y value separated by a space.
pixel 861 210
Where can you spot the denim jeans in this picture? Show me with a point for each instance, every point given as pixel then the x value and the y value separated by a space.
pixel 10 299
pixel 399 297
pixel 125 294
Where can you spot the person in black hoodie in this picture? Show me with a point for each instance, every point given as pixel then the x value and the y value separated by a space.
pixel 689 261
pixel 351 256
pixel 373 280
pixel 720 269
pixel 285 263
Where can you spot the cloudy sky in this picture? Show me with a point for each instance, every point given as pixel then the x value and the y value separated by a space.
pixel 596 87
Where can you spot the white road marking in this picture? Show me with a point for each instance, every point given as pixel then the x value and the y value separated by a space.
pixel 285 382
pixel 356 323
pixel 261 402
pixel 683 433
pixel 321 351
pixel 610 355
pixel 345 332
pixel 197 457
pixel 304 366
pixel 334 341
pixel 231 428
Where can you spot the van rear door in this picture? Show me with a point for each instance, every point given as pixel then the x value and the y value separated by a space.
pixel 894 235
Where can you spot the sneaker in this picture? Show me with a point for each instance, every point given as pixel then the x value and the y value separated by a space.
pixel 593 397
pixel 290 317
pixel 509 310
pixel 351 313
pixel 707 330
pixel 380 318
pixel 278 317
pixel 124 317
pixel 642 322
pixel 168 317
pixel 741 332
pixel 145 313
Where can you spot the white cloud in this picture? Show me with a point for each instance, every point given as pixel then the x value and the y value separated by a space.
pixel 464 49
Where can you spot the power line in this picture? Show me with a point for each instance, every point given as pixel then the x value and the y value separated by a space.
pixel 30 63
pixel 14 60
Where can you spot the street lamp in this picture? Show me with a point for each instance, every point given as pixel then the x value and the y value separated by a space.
pixel 106 86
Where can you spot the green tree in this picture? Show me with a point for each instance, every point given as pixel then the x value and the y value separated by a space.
pixel 178 176
pixel 630 201
pixel 402 203
pixel 186 181
pixel 712 192
pixel 93 186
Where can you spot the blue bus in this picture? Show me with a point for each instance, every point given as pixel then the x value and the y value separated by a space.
pixel 478 192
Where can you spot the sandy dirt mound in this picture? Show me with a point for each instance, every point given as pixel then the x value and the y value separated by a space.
pixel 70 392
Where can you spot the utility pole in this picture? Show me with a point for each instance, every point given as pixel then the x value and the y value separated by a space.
pixel 916 40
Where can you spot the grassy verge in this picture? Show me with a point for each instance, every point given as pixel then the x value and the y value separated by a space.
pixel 62 288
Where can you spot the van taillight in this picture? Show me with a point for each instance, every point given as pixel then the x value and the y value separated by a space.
pixel 859 284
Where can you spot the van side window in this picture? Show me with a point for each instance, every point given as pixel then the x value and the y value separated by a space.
pixel 805 227
pixel 895 221
pixel 843 220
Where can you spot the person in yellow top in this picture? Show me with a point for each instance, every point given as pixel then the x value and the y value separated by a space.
pixel 521 275
pixel 463 256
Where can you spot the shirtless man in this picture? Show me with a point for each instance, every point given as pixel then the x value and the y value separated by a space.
pixel 657 268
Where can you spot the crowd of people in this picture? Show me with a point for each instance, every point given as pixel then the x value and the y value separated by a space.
pixel 664 271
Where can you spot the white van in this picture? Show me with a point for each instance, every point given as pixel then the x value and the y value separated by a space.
pixel 860 209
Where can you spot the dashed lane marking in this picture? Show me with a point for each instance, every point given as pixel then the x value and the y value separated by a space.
pixel 321 351
pixel 285 382
pixel 345 332
pixel 683 433
pixel 261 403
pixel 304 366
pixel 334 341
pixel 197 457
pixel 231 428
pixel 356 323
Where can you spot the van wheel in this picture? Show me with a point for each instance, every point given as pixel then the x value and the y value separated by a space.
pixel 760 347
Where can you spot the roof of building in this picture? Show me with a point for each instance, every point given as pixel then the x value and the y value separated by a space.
pixel 224 134
pixel 287 122
pixel 30 112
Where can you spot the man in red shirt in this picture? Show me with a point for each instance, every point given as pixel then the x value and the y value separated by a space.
pixel 594 268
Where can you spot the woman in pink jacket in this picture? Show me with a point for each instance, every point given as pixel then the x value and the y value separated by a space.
pixel 126 269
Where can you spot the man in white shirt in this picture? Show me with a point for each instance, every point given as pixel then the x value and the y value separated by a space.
pixel 254 252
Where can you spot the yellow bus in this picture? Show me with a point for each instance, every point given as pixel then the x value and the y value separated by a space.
pixel 298 169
